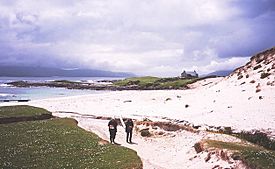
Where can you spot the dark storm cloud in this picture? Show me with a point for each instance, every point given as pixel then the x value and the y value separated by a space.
pixel 255 8
pixel 154 37
pixel 258 18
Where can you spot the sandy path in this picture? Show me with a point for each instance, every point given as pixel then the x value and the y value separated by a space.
pixel 175 151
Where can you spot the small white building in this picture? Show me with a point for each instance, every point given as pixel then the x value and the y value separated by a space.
pixel 185 74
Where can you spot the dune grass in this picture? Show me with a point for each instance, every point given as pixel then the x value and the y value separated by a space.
pixel 58 143
pixel 253 156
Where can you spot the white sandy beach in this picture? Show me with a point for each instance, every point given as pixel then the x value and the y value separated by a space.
pixel 224 104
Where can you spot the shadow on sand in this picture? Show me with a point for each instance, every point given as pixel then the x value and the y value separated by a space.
pixel 132 143
pixel 115 143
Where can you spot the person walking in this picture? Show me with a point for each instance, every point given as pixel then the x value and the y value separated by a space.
pixel 112 129
pixel 129 130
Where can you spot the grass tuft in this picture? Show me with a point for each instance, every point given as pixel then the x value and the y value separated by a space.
pixel 253 156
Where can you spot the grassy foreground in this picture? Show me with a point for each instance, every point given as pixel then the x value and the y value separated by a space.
pixel 57 143
pixel 254 156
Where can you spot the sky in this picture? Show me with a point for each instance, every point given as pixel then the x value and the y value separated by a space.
pixel 145 37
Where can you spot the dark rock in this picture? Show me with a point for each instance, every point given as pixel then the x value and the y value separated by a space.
pixel 198 147
pixel 168 99
pixel 145 132
pixel 127 101
pixel 196 127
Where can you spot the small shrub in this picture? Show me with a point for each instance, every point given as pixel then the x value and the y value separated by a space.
pixel 264 75
pixel 252 81
pixel 170 127
pixel 145 133
pixel 242 83
pixel 241 76
pixel 198 147
pixel 146 119
pixel 259 138
pixel 257 67
pixel 227 130
pixel 247 76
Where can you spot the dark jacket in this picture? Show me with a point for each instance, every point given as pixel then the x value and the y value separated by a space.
pixel 112 125
pixel 129 125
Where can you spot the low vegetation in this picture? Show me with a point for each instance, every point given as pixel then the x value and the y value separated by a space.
pixel 257 67
pixel 145 133
pixel 240 77
pixel 264 75
pixel 21 111
pixel 57 143
pixel 259 138
pixel 254 156
pixel 149 82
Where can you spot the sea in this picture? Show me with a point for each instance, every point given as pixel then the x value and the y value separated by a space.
pixel 8 92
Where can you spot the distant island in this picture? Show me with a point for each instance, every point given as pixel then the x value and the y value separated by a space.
pixel 28 71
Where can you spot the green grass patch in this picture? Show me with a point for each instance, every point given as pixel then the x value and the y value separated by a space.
pixel 136 80
pixel 259 138
pixel 150 82
pixel 59 143
pixel 21 111
pixel 177 84
pixel 231 146
pixel 253 156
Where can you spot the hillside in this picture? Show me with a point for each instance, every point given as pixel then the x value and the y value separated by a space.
pixel 259 72
pixel 22 71
pixel 220 73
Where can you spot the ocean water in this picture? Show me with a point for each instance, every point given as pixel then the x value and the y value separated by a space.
pixel 36 93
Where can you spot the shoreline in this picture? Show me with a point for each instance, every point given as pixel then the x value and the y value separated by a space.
pixel 181 105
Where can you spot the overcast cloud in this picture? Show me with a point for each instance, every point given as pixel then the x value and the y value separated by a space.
pixel 146 37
